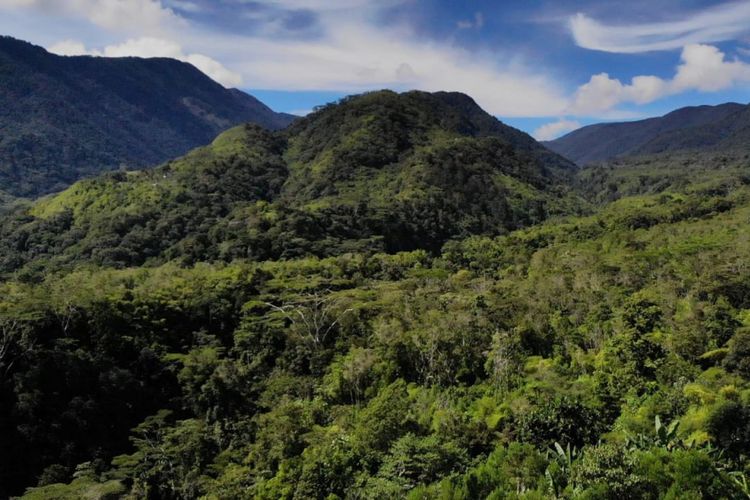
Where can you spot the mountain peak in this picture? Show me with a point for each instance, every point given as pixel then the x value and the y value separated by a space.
pixel 408 119
pixel 381 171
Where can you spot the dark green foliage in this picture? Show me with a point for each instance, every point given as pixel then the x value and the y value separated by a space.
pixel 729 425
pixel 64 118
pixel 377 172
pixel 600 356
pixel 561 420
pixel 721 128
pixel 738 356
pixel 507 472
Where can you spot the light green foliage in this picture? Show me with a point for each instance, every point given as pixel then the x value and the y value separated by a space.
pixel 598 356
pixel 378 172
pixel 79 489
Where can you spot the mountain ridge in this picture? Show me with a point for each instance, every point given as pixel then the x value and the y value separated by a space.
pixel 690 128
pixel 67 117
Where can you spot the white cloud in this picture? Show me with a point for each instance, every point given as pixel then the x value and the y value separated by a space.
pixel 214 69
pixel 153 47
pixel 321 6
pixel 69 48
pixel 133 16
pixel 703 68
pixel 602 93
pixel 553 130
pixel 355 57
pixel 715 24
pixel 350 54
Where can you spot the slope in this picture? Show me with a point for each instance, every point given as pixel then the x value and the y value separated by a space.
pixel 603 356
pixel 376 172
pixel 63 118
pixel 687 129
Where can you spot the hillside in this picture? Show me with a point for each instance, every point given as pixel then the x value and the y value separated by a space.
pixel 599 356
pixel 376 172
pixel 64 118
pixel 699 128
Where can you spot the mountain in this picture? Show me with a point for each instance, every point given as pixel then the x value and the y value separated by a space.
pixel 698 128
pixel 376 172
pixel 64 118
pixel 595 357
pixel 370 304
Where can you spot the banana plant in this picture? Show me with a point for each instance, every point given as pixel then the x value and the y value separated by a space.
pixel 562 460
pixel 666 435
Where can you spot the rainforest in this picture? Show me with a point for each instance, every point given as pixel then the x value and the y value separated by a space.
pixel 397 296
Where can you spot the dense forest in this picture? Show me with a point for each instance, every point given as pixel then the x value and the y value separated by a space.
pixel 377 172
pixel 66 118
pixel 349 309
pixel 719 129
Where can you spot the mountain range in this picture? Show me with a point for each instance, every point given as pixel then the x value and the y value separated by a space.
pixel 725 127
pixel 376 172
pixel 64 118
pixel 396 296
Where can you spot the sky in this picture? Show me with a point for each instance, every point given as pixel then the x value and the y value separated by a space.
pixel 544 66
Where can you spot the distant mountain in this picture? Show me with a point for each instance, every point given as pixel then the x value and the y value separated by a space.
pixel 376 172
pixel 64 118
pixel 726 126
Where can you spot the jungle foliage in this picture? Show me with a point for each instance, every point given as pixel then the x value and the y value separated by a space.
pixel 377 172
pixel 599 355
pixel 67 118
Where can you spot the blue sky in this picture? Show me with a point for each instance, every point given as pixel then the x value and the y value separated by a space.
pixel 544 66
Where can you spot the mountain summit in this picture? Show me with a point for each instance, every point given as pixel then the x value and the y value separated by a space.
pixel 64 118
pixel 376 172
pixel 696 128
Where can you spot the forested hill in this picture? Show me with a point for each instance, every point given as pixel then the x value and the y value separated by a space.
pixel 376 172
pixel 595 357
pixel 699 128
pixel 64 118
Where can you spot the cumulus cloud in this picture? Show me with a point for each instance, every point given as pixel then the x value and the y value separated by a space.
pixel 703 67
pixel 69 48
pixel 153 47
pixel 723 22
pixel 359 57
pixel 350 52
pixel 553 130
pixel 134 16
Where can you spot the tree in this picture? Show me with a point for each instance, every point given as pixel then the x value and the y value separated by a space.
pixel 16 342
pixel 738 357
pixel 505 359
pixel 313 316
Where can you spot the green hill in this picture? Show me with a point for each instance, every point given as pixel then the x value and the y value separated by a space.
pixel 64 118
pixel 377 172
pixel 396 297
pixel 597 356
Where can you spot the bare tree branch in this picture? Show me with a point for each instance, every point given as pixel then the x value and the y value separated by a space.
pixel 315 315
